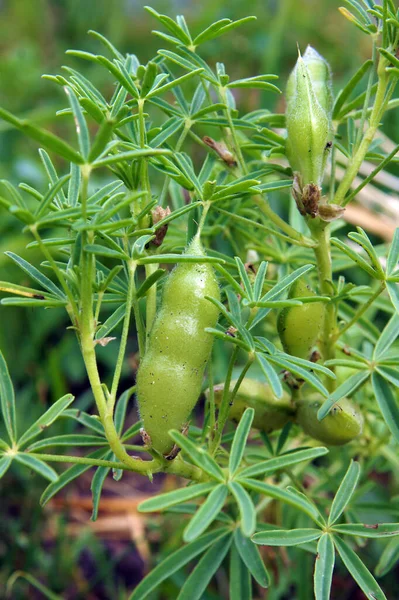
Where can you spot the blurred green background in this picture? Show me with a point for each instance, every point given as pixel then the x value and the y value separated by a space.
pixel 55 545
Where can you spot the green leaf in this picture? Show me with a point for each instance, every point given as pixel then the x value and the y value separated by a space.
pixel 80 123
pixel 5 462
pixel 344 390
pixel 68 476
pixel 359 571
pixel 97 485
pixel 355 257
pixel 271 465
pixel 389 558
pixel 45 138
pixel 393 291
pixel 246 508
pixel 46 419
pixel 90 421
pixel 377 530
pixel 387 338
pixel 393 255
pixel 344 94
pixel 240 585
pixel 129 155
pixel 281 361
pixel 174 562
pixel 112 322
pixel 197 582
pixel 324 567
pixel 173 83
pixel 7 400
pixel 344 492
pixel 271 376
pixel 387 402
pixel 171 26
pixel 41 279
pixel 206 513
pixel 175 497
pixel 240 440
pixel 210 32
pixel 199 456
pixel 251 558
pixel 37 465
pixel 293 498
pixel 286 537
pixel 71 439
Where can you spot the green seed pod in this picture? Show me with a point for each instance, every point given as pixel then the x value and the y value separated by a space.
pixel 320 75
pixel 308 117
pixel 343 423
pixel 170 374
pixel 271 413
pixel 299 326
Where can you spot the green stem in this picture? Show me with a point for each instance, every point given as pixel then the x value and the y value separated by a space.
pixel 360 312
pixel 73 309
pixel 375 118
pixel 151 299
pixel 235 145
pixel 125 331
pixel 224 405
pixel 266 209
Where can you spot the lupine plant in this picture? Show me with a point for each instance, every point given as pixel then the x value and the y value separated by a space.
pixel 278 318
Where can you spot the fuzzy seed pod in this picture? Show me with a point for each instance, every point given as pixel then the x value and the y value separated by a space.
pixel 343 423
pixel 299 326
pixel 170 374
pixel 308 116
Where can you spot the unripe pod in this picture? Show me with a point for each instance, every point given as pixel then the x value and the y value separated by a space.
pixel 320 76
pixel 170 375
pixel 299 326
pixel 271 413
pixel 308 117
pixel 342 424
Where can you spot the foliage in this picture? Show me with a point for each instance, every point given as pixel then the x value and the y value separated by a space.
pixel 105 260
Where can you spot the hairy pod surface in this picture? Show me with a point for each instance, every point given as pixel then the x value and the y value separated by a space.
pixel 308 116
pixel 170 374
pixel 299 326
pixel 343 423
pixel 271 413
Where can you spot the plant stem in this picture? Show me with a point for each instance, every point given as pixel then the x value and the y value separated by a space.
pixel 378 108
pixel 125 330
pixel 266 209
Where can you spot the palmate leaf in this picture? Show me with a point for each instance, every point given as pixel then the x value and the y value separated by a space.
pixel 176 561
